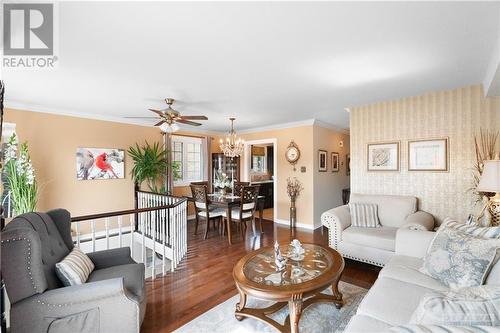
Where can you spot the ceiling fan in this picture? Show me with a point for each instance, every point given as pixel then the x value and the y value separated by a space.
pixel 168 118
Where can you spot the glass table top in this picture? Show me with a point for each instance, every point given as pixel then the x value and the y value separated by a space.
pixel 299 269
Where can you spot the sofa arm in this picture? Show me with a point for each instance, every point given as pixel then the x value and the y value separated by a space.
pixel 336 220
pixel 117 311
pixel 113 257
pixel 419 221
pixel 413 243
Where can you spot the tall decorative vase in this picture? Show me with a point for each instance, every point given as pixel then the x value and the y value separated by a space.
pixel 293 213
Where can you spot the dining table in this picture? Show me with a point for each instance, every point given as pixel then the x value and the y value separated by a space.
pixel 228 202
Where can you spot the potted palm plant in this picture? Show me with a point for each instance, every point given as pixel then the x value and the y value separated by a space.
pixel 150 166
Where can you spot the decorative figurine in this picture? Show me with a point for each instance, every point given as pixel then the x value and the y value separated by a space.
pixel 279 260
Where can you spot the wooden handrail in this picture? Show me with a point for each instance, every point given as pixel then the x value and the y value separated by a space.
pixel 125 212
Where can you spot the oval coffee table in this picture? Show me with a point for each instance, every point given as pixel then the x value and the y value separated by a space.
pixel 299 284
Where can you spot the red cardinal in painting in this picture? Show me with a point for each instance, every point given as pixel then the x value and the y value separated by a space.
pixel 102 164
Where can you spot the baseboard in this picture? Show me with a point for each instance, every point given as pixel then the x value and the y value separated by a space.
pixel 297 225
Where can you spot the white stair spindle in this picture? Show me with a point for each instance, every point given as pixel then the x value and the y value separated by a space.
pixel 163 236
pixel 153 233
pixel 143 231
pixel 132 230
pixel 106 226
pixel 92 228
pixel 120 231
pixel 78 234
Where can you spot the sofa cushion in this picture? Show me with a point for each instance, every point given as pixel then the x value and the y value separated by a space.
pixel 462 307
pixel 364 215
pixel 392 209
pixel 363 324
pixel 381 238
pixel 406 269
pixel 392 301
pixel 133 277
pixel 459 259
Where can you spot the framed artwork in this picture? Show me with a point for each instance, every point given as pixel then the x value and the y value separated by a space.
pixel 428 155
pixel 383 156
pixel 100 163
pixel 322 156
pixel 348 164
pixel 335 161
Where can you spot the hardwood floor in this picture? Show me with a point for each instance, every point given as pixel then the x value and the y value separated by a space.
pixel 204 277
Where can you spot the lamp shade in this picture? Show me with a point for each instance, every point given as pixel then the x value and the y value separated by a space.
pixel 490 179
pixel 166 128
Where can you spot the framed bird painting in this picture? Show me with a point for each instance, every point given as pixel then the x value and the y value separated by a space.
pixel 100 163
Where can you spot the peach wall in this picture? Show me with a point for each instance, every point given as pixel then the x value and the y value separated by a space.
pixel 53 140
pixel 328 185
pixel 303 137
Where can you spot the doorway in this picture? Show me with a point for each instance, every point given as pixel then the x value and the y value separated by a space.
pixel 260 167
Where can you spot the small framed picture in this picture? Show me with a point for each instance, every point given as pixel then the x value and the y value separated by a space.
pixel 322 156
pixel 428 155
pixel 348 164
pixel 383 156
pixel 335 162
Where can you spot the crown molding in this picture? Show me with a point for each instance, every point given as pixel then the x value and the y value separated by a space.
pixel 41 109
pixel 293 124
pixel 69 113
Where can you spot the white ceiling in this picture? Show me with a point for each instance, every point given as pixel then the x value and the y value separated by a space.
pixel 265 63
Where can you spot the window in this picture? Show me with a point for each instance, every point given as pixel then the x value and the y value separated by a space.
pixel 187 160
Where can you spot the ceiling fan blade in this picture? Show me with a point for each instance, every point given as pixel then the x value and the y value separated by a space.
pixel 142 117
pixel 157 112
pixel 194 117
pixel 187 122
pixel 159 123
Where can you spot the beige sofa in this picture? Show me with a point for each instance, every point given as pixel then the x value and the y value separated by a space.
pixel 397 292
pixel 374 245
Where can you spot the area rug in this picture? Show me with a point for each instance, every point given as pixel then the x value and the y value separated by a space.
pixel 321 317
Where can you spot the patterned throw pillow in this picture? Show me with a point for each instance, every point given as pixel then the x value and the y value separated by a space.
pixel 462 307
pixel 484 232
pixel 458 259
pixel 75 268
pixel 364 215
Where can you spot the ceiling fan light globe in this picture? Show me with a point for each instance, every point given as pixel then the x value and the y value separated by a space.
pixel 169 128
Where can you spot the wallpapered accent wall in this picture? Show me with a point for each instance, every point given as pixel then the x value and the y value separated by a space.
pixel 457 114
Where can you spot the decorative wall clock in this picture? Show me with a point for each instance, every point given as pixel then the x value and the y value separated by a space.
pixel 292 154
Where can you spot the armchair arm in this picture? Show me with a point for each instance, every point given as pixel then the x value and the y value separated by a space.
pixel 419 221
pixel 117 311
pixel 112 257
pixel 413 243
pixel 336 220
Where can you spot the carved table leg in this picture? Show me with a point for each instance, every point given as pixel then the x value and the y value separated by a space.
pixel 295 308
pixel 337 294
pixel 241 304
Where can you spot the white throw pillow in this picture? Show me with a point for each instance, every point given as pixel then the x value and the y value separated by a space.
pixel 75 268
pixel 364 215
pixel 474 306
pixel 458 259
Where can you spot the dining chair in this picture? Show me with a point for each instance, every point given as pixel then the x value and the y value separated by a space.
pixel 203 182
pixel 238 186
pixel 203 210
pixel 246 212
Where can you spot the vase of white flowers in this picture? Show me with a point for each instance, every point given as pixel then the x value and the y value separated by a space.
pixel 293 188
pixel 20 174
pixel 222 182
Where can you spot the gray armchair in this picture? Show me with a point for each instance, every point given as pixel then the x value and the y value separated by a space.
pixel 112 300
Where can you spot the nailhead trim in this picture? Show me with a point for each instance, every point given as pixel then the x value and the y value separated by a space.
pixel 28 257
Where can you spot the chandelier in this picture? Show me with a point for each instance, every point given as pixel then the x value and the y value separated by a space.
pixel 232 146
